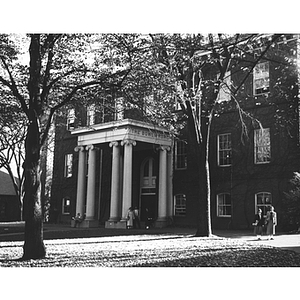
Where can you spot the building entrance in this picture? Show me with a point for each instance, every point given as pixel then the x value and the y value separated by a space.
pixel 148 195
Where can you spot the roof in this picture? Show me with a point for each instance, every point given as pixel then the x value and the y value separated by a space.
pixel 6 184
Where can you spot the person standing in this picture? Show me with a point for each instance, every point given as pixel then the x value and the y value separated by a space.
pixel 136 220
pixel 271 221
pixel 259 222
pixel 130 218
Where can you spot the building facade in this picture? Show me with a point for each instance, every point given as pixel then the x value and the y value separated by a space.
pixel 9 205
pixel 106 165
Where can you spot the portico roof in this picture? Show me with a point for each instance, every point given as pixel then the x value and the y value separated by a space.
pixel 121 130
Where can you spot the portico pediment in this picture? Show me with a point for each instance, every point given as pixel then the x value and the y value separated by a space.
pixel 121 130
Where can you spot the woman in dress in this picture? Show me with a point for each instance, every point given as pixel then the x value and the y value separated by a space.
pixel 271 221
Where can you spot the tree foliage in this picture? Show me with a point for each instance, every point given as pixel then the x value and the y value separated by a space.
pixel 291 205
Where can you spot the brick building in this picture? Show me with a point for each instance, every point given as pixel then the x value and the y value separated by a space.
pixel 9 206
pixel 104 163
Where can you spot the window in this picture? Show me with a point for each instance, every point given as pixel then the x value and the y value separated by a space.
pixel 263 201
pixel 224 149
pixel 68 165
pixel 262 146
pixel 180 155
pixel 66 206
pixel 90 115
pixel 261 78
pixel 119 109
pixel 224 205
pixel 148 179
pixel 71 119
pixel 180 205
pixel 224 92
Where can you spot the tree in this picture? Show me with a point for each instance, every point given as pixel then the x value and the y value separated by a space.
pixel 199 66
pixel 60 68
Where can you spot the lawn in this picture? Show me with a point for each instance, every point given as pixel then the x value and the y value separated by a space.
pixel 161 250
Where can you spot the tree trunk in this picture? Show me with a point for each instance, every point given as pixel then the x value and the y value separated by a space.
pixel 204 219
pixel 34 247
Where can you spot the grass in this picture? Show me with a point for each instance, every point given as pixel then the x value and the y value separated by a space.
pixel 157 250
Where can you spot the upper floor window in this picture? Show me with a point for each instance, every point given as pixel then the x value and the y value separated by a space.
pixel 180 155
pixel 224 92
pixel 66 206
pixel 263 200
pixel 262 146
pixel 119 109
pixel 180 205
pixel 71 118
pixel 261 78
pixel 224 205
pixel 68 165
pixel 90 115
pixel 224 149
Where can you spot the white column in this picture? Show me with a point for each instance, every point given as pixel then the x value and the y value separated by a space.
pixel 91 183
pixel 163 180
pixel 115 183
pixel 170 184
pixel 81 180
pixel 127 176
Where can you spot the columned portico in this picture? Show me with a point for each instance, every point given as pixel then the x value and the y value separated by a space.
pixel 122 136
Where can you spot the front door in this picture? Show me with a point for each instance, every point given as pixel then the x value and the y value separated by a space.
pixel 148 190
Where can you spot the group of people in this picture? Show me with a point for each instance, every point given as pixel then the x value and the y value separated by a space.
pixel 133 219
pixel 269 222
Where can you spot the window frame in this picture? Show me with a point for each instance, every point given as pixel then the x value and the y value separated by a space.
pixel 261 76
pixel 229 150
pixel 224 91
pixel 263 207
pixel 68 165
pixel 64 205
pixel 180 207
pixel 267 156
pixel 91 115
pixel 71 118
pixel 223 215
pixel 180 155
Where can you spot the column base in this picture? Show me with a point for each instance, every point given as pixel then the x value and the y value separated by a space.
pixel 161 222
pixel 116 224
pixel 86 224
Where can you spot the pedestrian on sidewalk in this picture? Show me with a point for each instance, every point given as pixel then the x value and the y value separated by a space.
pixel 130 218
pixel 136 220
pixel 271 221
pixel 259 222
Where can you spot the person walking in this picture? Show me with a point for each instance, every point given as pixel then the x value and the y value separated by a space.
pixel 130 218
pixel 259 222
pixel 271 221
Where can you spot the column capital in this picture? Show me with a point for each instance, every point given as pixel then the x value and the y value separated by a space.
pixel 79 148
pixel 163 148
pixel 91 147
pixel 114 144
pixel 128 142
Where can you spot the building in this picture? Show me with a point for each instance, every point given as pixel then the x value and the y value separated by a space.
pixel 105 163
pixel 9 206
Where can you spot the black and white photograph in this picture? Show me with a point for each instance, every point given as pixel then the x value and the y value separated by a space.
pixel 168 156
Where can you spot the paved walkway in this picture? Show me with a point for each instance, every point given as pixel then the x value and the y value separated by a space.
pixel 281 240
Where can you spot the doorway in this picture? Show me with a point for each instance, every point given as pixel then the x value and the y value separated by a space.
pixel 148 195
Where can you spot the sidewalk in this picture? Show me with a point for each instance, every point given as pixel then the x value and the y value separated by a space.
pixel 59 231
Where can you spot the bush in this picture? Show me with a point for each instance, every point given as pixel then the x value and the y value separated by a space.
pixel 291 205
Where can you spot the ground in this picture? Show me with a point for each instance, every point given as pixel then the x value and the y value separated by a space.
pixel 151 250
